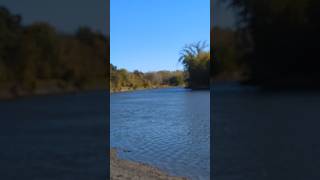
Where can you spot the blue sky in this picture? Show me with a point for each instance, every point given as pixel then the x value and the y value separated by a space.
pixel 148 35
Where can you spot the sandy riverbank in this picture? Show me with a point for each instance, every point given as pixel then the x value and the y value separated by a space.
pixel 127 170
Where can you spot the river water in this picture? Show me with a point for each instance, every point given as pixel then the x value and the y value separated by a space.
pixel 166 128
pixel 54 137
pixel 265 135
pixel 257 134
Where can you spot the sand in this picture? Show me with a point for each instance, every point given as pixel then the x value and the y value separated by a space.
pixel 127 170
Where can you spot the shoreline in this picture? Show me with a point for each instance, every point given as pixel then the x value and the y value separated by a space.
pixel 128 170
pixel 139 89
pixel 10 94
pixel 7 95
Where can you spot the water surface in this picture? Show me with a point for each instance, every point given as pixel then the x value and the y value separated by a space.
pixel 54 137
pixel 265 134
pixel 166 128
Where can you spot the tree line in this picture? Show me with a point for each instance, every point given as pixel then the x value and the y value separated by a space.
pixel 195 59
pixel 279 41
pixel 33 56
pixel 38 56
pixel 275 44
pixel 123 80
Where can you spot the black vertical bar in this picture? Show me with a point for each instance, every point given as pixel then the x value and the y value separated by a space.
pixel 211 90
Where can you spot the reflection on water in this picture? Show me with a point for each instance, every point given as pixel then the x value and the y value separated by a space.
pixel 167 128
pixel 265 135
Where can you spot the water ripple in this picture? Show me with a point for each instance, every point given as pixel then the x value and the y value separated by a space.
pixel 167 128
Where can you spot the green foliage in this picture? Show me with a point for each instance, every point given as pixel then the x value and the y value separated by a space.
pixel 197 64
pixel 121 79
pixel 30 55
pixel 10 33
pixel 285 37
pixel 38 52
pixel 229 53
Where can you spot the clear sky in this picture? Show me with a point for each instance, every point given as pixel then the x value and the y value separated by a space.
pixel 148 35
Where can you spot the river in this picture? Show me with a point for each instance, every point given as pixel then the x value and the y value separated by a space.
pixel 166 128
pixel 265 135
pixel 257 134
pixel 54 137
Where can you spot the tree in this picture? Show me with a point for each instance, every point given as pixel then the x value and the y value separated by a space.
pixel 197 64
pixel 10 34
pixel 285 40
pixel 39 51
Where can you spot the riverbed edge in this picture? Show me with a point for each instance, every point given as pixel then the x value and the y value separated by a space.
pixel 121 169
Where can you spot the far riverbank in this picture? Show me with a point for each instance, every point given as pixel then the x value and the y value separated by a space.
pixel 13 90
pixel 126 89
